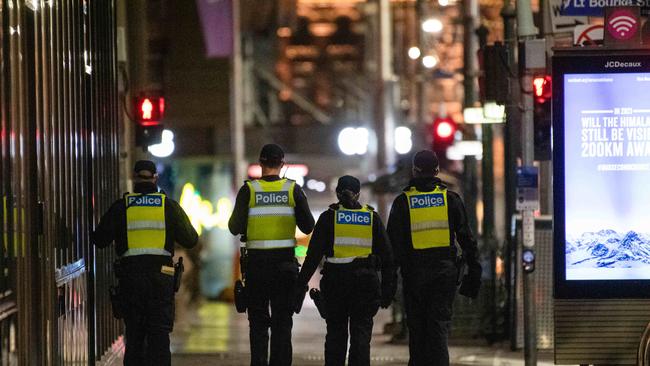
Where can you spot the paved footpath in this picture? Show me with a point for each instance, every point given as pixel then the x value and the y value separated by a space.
pixel 216 334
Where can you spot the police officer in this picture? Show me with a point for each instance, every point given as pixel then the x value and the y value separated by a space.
pixel 266 213
pixel 354 243
pixel 424 223
pixel 144 226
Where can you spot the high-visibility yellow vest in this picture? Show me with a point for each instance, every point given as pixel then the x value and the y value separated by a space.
pixel 429 218
pixel 271 215
pixel 145 224
pixel 352 234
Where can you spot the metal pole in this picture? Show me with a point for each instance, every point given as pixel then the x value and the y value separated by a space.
pixel 236 99
pixel 511 140
pixel 470 181
pixel 383 106
pixel 526 31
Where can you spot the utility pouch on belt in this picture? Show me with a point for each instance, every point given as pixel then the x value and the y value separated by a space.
pixel 317 297
pixel 117 302
pixel 240 297
pixel 241 301
pixel 179 268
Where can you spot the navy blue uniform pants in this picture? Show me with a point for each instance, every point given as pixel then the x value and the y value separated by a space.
pixel 148 317
pixel 428 299
pixel 351 298
pixel 269 286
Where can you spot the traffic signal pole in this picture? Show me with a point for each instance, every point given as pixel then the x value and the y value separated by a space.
pixel 526 31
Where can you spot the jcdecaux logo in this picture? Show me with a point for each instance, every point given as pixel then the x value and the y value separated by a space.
pixel 353 218
pixel 150 201
pixel 271 198
pixel 427 200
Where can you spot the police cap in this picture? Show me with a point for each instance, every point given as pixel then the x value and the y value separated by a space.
pixel 271 155
pixel 348 183
pixel 425 162
pixel 144 165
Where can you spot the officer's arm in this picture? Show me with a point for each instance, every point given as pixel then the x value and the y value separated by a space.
pixel 460 225
pixel 323 233
pixel 397 229
pixel 239 216
pixel 304 219
pixel 107 228
pixel 182 229
pixel 381 246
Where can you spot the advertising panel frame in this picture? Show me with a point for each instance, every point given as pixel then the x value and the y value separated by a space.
pixel 586 61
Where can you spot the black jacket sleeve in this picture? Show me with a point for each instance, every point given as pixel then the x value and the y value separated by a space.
pixel 182 230
pixel 109 225
pixel 304 219
pixel 381 247
pixel 239 216
pixel 323 233
pixel 460 226
pixel 398 230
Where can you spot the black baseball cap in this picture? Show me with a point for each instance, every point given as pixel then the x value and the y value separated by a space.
pixel 145 165
pixel 271 154
pixel 348 183
pixel 425 162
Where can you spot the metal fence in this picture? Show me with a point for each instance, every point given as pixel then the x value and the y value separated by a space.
pixel 59 167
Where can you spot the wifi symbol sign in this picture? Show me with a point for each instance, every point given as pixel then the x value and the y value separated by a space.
pixel 622 24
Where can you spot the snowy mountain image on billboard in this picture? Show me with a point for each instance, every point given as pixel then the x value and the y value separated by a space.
pixel 608 254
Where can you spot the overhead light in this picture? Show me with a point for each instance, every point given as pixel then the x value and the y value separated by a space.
pixel 414 53
pixel 461 149
pixel 403 140
pixel 354 141
pixel 443 2
pixel 432 25
pixel 429 61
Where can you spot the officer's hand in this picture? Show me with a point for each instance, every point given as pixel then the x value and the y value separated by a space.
pixel 470 286
pixel 299 293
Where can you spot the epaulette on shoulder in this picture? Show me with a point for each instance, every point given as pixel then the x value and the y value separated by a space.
pixel 334 207
pixel 370 208
pixel 125 194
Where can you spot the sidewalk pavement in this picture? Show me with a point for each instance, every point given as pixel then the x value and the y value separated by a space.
pixel 216 334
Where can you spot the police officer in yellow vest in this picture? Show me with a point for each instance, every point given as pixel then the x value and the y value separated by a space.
pixel 424 223
pixel 266 213
pixel 354 243
pixel 144 226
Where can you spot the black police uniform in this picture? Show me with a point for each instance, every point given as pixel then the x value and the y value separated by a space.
pixel 147 293
pixel 430 275
pixel 351 292
pixel 270 279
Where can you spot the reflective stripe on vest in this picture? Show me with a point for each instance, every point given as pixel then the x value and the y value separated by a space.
pixel 271 215
pixel 145 224
pixel 270 244
pixel 143 251
pixel 352 233
pixel 429 216
pixel 340 260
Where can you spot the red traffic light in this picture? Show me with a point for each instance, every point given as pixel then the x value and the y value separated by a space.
pixel 542 88
pixel 443 131
pixel 149 110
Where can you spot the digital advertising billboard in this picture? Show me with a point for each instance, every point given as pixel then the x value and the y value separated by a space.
pixel 601 138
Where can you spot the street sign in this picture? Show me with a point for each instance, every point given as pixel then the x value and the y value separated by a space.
pixel 563 23
pixel 597 7
pixel 527 188
pixel 588 34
